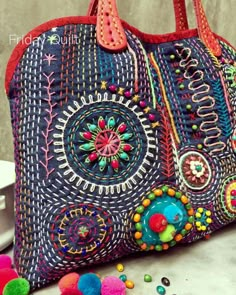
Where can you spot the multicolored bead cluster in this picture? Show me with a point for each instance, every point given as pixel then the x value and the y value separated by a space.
pixel 161 290
pixel 202 219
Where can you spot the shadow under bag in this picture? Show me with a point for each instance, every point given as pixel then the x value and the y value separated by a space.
pixel 124 141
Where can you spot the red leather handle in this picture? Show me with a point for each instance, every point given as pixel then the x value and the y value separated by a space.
pixel 110 32
pixel 181 20
pixel 93 8
pixel 111 35
pixel 204 31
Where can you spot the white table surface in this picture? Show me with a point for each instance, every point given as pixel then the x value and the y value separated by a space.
pixel 207 267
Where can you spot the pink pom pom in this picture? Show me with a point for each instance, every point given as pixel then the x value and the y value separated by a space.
pixel 69 281
pixel 5 261
pixel 113 285
pixel 6 275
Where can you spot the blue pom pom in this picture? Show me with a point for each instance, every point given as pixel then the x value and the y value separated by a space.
pixel 173 214
pixel 89 284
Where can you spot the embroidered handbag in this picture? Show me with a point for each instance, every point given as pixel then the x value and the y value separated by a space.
pixel 124 141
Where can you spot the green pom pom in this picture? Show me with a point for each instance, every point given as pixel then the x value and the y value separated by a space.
pixel 17 287
pixel 168 234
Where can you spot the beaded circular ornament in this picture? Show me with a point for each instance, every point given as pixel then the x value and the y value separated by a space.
pixel 195 170
pixel 163 219
pixel 80 229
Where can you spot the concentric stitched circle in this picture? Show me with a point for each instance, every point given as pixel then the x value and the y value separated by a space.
pixel 195 170
pixel 105 143
pixel 78 157
pixel 81 229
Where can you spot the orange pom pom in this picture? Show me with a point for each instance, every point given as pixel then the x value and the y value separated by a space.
pixel 69 281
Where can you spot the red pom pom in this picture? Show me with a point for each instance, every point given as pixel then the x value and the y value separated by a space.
pixel 157 223
pixel 69 281
pixel 6 275
pixel 70 291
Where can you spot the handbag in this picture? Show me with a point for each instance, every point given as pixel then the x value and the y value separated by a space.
pixel 123 141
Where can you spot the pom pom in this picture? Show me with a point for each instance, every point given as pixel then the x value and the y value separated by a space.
pixel 69 281
pixel 168 234
pixel 5 261
pixel 17 287
pixel 157 223
pixel 89 284
pixel 6 275
pixel 70 291
pixel 113 285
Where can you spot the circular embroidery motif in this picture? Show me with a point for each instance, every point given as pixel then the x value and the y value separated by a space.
pixel 228 197
pixel 81 229
pixel 105 143
pixel 163 219
pixel 195 170
pixel 203 219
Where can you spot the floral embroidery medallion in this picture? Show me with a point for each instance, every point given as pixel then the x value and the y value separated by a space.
pixel 106 143
pixel 195 170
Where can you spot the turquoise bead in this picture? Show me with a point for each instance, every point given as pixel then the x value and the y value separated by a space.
pixel 198 168
pixel 161 290
pixel 111 122
pixel 124 156
pixel 127 136
pixel 123 278
pixel 86 146
pixel 92 127
pixel 102 163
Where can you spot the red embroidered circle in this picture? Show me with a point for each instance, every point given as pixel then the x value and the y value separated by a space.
pixel 107 143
